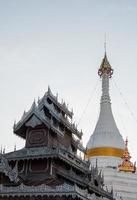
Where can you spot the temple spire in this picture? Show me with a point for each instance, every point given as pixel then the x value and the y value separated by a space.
pixel 127 165
pixel 105 72
pixel 101 142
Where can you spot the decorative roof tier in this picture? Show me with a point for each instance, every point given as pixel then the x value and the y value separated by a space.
pixel 49 112
pixel 127 165
pixel 106 139
pixel 86 184
pixel 48 152
pixel 61 107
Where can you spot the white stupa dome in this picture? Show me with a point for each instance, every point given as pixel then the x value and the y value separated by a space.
pixel 106 133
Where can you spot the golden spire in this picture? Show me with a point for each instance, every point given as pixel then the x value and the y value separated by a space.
pixel 127 165
pixel 105 67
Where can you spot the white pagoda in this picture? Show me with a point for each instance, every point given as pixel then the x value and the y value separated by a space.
pixel 107 148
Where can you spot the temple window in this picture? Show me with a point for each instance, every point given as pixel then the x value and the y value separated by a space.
pixel 47 113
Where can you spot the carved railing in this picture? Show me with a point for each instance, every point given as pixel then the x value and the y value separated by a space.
pixel 74 158
pixel 46 151
pixel 36 189
pixel 43 190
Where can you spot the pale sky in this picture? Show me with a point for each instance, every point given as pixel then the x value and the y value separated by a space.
pixel 61 43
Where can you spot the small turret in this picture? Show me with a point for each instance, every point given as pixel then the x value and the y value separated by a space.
pixel 127 165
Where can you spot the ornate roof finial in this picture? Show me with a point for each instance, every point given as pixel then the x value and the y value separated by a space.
pixel 126 142
pixel 4 150
pixel 57 96
pixel 15 147
pixel 38 100
pixel 49 90
pixel 127 165
pixel 33 107
pixel 14 125
pixel 1 149
pixel 105 67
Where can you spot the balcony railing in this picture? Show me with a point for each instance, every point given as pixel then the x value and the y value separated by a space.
pixel 44 190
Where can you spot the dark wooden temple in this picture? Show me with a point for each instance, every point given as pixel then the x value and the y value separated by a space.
pixel 48 167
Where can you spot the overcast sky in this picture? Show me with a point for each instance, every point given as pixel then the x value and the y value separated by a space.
pixel 61 43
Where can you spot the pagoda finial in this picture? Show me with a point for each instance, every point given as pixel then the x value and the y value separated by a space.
pixel 126 142
pixel 105 67
pixel 105 44
pixel 127 165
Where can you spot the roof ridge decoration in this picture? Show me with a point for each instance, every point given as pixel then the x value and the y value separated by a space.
pixel 38 119
pixel 127 165
pixel 32 110
pixel 63 106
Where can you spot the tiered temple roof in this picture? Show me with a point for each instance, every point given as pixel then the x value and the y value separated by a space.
pixel 54 110
pixel 49 166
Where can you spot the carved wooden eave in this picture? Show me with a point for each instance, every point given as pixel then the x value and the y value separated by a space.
pixel 78 145
pixel 39 119
pixel 22 124
pixel 46 152
pixel 12 174
pixel 81 148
